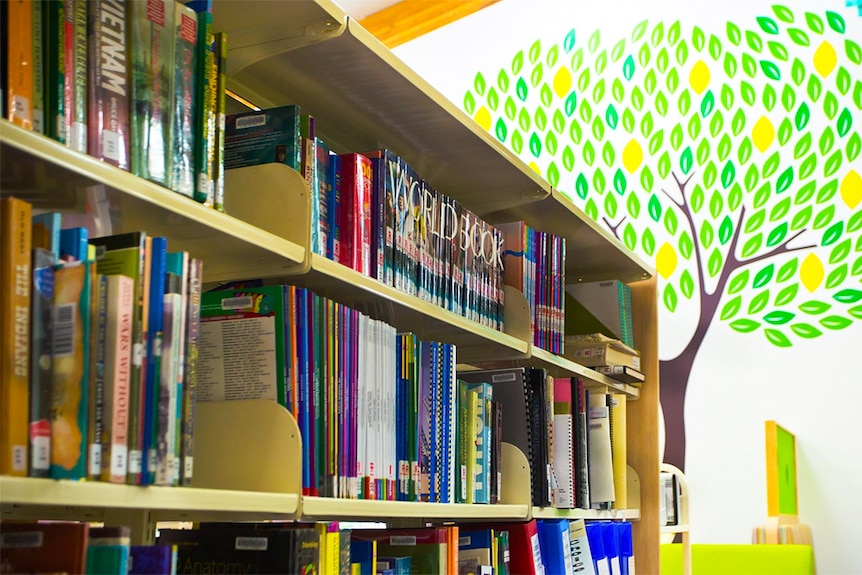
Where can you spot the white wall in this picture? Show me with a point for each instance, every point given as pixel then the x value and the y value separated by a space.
pixel 739 380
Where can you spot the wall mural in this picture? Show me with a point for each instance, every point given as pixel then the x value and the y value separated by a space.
pixel 731 161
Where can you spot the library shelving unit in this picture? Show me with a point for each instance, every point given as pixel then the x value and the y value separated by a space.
pixel 247 453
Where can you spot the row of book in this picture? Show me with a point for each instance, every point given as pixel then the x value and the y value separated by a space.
pixel 99 356
pixel 574 438
pixel 372 212
pixel 535 263
pixel 381 414
pixel 139 85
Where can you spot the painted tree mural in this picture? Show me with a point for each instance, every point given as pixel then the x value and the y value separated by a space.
pixel 732 159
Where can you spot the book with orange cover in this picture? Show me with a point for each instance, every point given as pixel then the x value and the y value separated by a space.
pixel 15 253
pixel 19 102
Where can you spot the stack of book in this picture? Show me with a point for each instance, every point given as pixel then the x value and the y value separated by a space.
pixel 606 355
pixel 139 85
pixel 100 381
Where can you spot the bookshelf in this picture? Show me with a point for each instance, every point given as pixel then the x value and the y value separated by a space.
pixel 309 52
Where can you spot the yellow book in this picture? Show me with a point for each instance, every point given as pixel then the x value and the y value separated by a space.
pixel 618 447
pixel 19 103
pixel 330 549
pixel 15 242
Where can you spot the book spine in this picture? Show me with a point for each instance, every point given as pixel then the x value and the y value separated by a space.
pixel 76 75
pixel 190 376
pixel 333 250
pixel 167 390
pixel 154 360
pixel 54 62
pixel 183 100
pixel 138 381
pixel 71 364
pixel 118 359
pixel 204 110
pixel 108 104
pixel 15 328
pixel 218 143
pixel 321 223
pixel 97 432
pixel 42 297
pixel 38 67
pixel 151 70
pixel 19 104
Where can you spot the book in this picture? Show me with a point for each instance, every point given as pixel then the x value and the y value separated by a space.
pixel 54 62
pixel 564 448
pixel 619 453
pixel 108 550
pixel 167 466
pixel 426 547
pixel 579 548
pixel 15 254
pixel 75 85
pixel 600 353
pixel 96 432
pixel 19 88
pixel 600 456
pixel 220 55
pixel 496 452
pixel 183 100
pixel 190 376
pixel 356 179
pixel 152 560
pixel 121 303
pixel 622 373
pixel 55 547
pixel 601 306
pixel 37 65
pixel 151 72
pixel 554 541
pixel 155 332
pixel 265 137
pixel 206 76
pixel 107 81
pixel 42 333
pixel 71 366
pixel 482 440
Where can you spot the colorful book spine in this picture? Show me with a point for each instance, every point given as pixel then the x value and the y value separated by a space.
pixel 191 372
pixel 151 33
pixel 54 61
pixel 70 375
pixel 165 441
pixel 220 52
pixel 98 337
pixel 42 308
pixel 322 222
pixel 19 88
pixel 38 67
pixel 205 108
pixel 108 102
pixel 356 212
pixel 155 334
pixel 15 296
pixel 118 368
pixel 333 247
pixel 183 101
pixel 75 84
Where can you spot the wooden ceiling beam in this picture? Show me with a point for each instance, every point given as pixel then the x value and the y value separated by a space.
pixel 410 19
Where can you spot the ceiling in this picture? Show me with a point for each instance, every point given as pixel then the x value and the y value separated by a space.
pixel 359 9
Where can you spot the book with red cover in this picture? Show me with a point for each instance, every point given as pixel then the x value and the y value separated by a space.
pixel 355 221
pixel 43 547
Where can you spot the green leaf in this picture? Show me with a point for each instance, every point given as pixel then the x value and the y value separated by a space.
pixel 648 242
pixel 826 140
pixel 571 103
pixel 524 119
pixel 815 24
pixel 814 307
pixel 797 71
pixel 593 42
pixel 469 103
pixel 788 97
pixel 814 88
pixel 754 221
pixel 608 154
pixel 559 122
pixel 646 125
pixel 575 132
pixel 670 222
pixel 835 322
pixel 762 195
pixel 801 218
pixel 553 174
pixel 568 159
pixel 581 186
pixel 856 311
pixel 676 137
pixel 611 206
pixel 758 302
pixel 685 160
pixel 664 165
pixel 535 51
pixel 552 55
pixel 768 25
pixel 778 51
pixel 751 177
pixel 784 180
pixel 535 145
pixel 786 295
pixel 748 93
pixel 633 205
pixel 551 143
pixel 599 91
pixel 769 97
pixel 672 81
pixel 500 130
pixel 753 40
pixel 827 191
pixel 848 295
pixel 854 145
pixel 725 230
pixel 752 245
pixel 733 33
pixel 836 277
pixel 714 47
pixel 647 179
pixel 802 146
pixel 787 270
pixel 670 297
pixel 618 50
pixel 726 97
pixel 738 282
pixel 728 174
pixel 686 246
pixel 799 37
pixel 845 121
pixel 824 217
pixel 662 60
pixel 661 104
pixel 643 56
pixel 628 121
pixel 771 165
pixel 694 126
pixel 724 146
pixel 536 75
pixel 569 41
pixel 517 142
pixel 836 22
pixel 681 53
pixel 763 276
pixel 586 111
pixel 715 263
pixel 744 325
pixel 546 95
pixel 855 222
pixel 707 104
pixel 716 204
pixel 854 52
pixel 654 208
pixel 783 13
pixel 777 235
pixel 617 90
pixel 785 130
pixel 832 163
pixel 591 210
pixel 521 89
pixel 745 152
pixel 734 199
pixel 805 330
pixel 620 182
pixel 598 129
pixel 738 122
pixel 650 81
pixel 840 252
pixel 729 65
pixel 706 235
pixel 780 210
pixel 611 117
pixel 589 153
pixel 709 174
pixel 807 167
pixel 493 98
pixel 842 80
pixel 777 338
pixel 771 70
pixel 479 83
pixel 698 39
pixel 778 317
pixel 731 308
pixel 749 66
pixel 655 142
pixel 630 237
pixel 830 105
pixel 577 59
pixel 584 80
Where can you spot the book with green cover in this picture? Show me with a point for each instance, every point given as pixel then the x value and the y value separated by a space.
pixel 241 345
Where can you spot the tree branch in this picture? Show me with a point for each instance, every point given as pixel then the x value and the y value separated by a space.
pixel 612 227
pixel 777 250
pixel 686 211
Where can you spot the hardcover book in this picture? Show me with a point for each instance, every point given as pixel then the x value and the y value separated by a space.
pixel 190 377
pixel 19 88
pixel 265 137
pixel 183 100
pixel 57 547
pixel 41 330
pixel 54 59
pixel 152 559
pixel 220 55
pixel 75 86
pixel 205 105
pixel 15 254
pixel 108 102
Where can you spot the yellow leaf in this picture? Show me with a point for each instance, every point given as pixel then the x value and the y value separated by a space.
pixel 633 155
pixel 483 118
pixel 666 260
pixel 763 133
pixel 811 272
pixel 535 167
pixel 699 77
pixel 562 82
pixel 825 59
pixel 851 189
